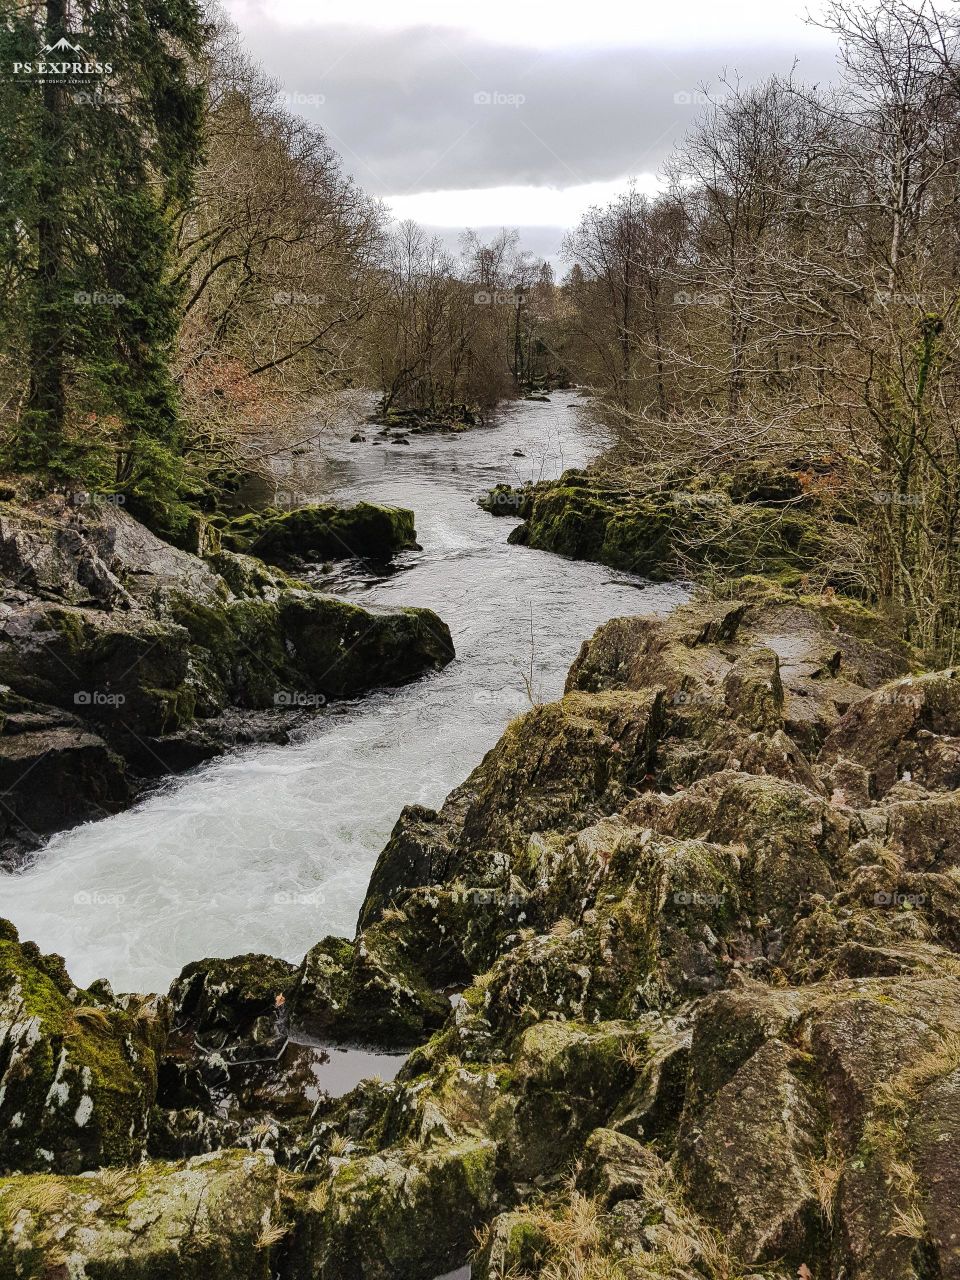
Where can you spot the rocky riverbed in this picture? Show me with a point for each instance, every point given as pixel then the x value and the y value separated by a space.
pixel 675 974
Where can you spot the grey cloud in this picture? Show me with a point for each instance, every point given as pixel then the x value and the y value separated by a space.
pixel 400 106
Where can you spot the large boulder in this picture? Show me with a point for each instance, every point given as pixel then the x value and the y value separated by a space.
pixel 909 729
pixel 125 669
pixel 324 531
pixel 78 1073
pixel 345 649
pixel 219 1215
pixel 382 1217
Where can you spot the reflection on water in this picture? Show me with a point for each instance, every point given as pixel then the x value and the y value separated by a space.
pixel 271 849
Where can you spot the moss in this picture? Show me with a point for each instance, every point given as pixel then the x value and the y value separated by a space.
pixel 323 532
pixel 408 1211
pixel 656 533
pixel 80 1082
pixel 163 1221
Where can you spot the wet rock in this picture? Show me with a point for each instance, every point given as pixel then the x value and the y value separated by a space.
pixel 128 670
pixel 346 650
pixel 230 995
pixel 53 772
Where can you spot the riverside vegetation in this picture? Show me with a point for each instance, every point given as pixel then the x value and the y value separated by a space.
pixel 674 972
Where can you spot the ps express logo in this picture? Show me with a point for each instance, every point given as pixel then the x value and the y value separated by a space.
pixel 63 61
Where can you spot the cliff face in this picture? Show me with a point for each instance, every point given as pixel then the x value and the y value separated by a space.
pixel 678 971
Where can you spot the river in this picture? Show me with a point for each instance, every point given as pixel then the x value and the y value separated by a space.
pixel 270 849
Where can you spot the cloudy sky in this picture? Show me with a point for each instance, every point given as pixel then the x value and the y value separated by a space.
pixel 510 113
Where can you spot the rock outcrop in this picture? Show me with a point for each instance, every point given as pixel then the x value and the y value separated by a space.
pixel 747 522
pixel 676 970
pixel 122 657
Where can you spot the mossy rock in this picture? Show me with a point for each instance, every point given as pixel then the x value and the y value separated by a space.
pixel 323 532
pixel 654 533
pixel 344 649
pixel 126 670
pixel 217 1215
pixel 409 1213
pixel 372 992
pixel 230 994
pixel 567 1078
pixel 78 1076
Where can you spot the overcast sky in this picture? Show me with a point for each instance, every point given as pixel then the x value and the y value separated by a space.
pixel 507 112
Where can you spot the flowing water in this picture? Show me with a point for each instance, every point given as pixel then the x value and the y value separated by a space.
pixel 271 848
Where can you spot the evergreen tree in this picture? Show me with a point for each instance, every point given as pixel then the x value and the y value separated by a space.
pixel 102 154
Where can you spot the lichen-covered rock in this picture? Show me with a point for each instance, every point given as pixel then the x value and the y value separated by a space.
pixel 372 992
pixel 221 1214
pixel 404 1213
pixel 78 1075
pixel 678 966
pixel 907 730
pixel 566 1077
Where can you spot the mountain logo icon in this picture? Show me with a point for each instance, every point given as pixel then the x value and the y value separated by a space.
pixel 63 45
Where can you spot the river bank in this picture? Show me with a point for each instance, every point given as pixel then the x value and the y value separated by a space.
pixel 674 971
